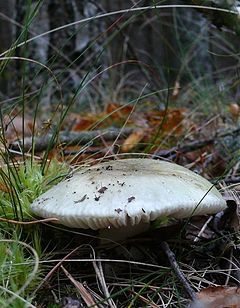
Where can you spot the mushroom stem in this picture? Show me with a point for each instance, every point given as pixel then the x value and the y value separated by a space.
pixel 117 234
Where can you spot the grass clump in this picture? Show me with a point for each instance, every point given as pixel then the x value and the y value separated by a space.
pixel 21 183
pixel 20 244
pixel 19 272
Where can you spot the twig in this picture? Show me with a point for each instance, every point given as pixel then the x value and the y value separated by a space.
pixel 172 260
pixel 69 138
pixel 16 222
pixel 100 276
pixel 192 146
pixel 203 229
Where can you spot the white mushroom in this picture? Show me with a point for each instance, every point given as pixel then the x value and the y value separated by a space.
pixel 127 195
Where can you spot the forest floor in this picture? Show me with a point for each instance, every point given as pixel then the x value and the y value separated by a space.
pixel 73 268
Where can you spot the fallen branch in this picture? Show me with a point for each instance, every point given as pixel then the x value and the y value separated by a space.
pixel 193 146
pixel 69 138
pixel 232 180
pixel 172 260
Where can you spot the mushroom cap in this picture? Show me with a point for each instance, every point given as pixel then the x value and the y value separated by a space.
pixel 128 192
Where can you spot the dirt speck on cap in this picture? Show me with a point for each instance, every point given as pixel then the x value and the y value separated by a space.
pixel 130 199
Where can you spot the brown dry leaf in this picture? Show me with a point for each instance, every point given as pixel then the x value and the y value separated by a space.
pixel 217 297
pixel 173 119
pixel 198 156
pixel 85 121
pixel 82 123
pixel 113 113
pixel 118 111
pixel 132 140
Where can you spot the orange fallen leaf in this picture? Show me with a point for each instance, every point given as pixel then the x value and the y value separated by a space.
pixel 86 121
pixel 118 111
pixel 172 119
pixel 132 140
pixel 83 123
pixel 113 113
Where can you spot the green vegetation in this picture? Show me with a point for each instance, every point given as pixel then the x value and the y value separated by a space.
pixel 21 183
pixel 20 244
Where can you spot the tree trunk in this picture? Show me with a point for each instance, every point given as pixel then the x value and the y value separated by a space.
pixel 61 13
pixel 6 39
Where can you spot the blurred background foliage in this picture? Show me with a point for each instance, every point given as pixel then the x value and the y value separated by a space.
pixel 121 52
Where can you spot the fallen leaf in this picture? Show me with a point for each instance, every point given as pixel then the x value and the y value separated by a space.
pixel 217 297
pixel 172 119
pixel 132 140
pixel 80 122
pixel 118 111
